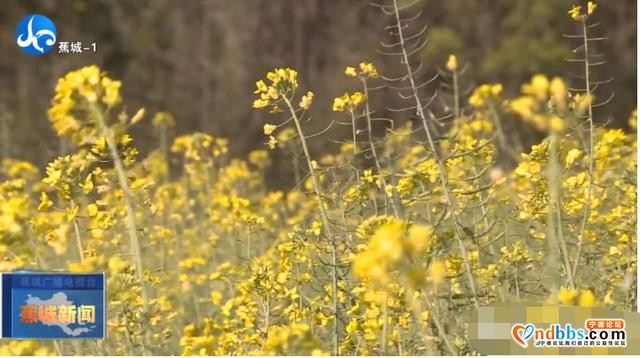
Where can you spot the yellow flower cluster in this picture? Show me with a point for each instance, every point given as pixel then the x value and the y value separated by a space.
pixel 199 147
pixel 573 297
pixel 283 82
pixel 576 11
pixel 484 93
pixel 391 243
pixel 537 95
pixel 348 101
pixel 366 70
pixel 77 93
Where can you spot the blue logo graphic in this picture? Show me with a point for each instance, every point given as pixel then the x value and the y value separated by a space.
pixel 36 34
pixel 52 305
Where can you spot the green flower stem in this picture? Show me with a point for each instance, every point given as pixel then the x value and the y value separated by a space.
pixel 385 324
pixel 395 202
pixel 326 227
pixel 441 166
pixel 587 204
pixel 76 230
pixel 555 209
pixel 123 181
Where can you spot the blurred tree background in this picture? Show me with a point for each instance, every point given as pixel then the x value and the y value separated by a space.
pixel 199 59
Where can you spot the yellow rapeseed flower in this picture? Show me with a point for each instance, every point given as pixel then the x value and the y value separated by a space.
pixel 316 228
pixel 216 297
pixel 356 98
pixel 538 87
pixel 76 94
pixel 338 104
pixel 387 240
pixel 559 92
pixel 260 103
pixel 556 124
pixel 138 116
pixel 368 69
pixel 272 142
pixel 284 82
pixel 260 87
pixel 163 120
pixel 483 93
pixel 269 128
pixel 587 299
pixel 452 63
pixel 306 100
pixel 567 296
pixel 437 271
pixel 572 156
pixel 633 119
pixel 574 12
pixel 45 202
pixel 92 210
pixel 348 101
pixel 419 235
pixel 350 71
pixel 528 169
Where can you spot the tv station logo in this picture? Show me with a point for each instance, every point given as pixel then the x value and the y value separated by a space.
pixel 39 305
pixel 37 34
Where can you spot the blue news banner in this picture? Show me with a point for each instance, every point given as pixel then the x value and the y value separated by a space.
pixel 52 305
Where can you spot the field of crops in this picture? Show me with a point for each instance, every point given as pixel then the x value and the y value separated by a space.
pixel 384 247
